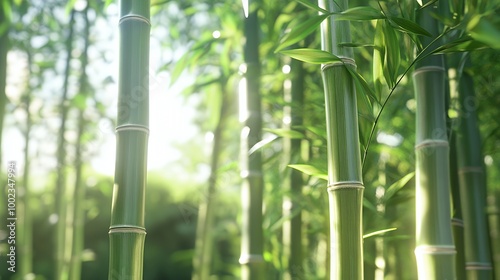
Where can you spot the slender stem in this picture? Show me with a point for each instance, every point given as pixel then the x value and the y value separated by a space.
pixel 251 258
pixel 345 183
pixel 127 232
pixel 60 235
pixel 79 191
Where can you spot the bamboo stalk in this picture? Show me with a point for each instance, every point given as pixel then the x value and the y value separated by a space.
pixel 345 183
pixel 251 258
pixel 127 232
pixel 79 191
pixel 472 185
pixel 204 240
pixel 457 217
pixel 4 49
pixel 25 230
pixel 435 249
pixel 60 192
pixel 292 228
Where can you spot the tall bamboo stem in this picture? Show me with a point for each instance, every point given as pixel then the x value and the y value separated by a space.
pixel 292 119
pixel 251 258
pixel 204 238
pixel 345 183
pixel 25 229
pixel 79 191
pixel 472 185
pixel 4 48
pixel 126 231
pixel 435 251
pixel 60 234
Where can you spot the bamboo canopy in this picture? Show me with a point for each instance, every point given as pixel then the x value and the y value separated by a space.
pixel 127 232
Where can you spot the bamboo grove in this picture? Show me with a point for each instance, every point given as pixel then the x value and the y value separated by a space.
pixel 327 140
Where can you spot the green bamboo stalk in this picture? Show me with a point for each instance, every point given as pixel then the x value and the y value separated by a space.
pixel 4 48
pixel 204 240
pixel 472 184
pixel 60 201
pixel 435 249
pixel 79 190
pixel 25 230
pixel 457 222
pixel 251 258
pixel 494 223
pixel 345 182
pixel 292 228
pixel 457 219
pixel 127 232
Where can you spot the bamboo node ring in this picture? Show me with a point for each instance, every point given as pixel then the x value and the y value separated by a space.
pixel 344 61
pixel 135 127
pixel 435 250
pixel 428 69
pixel 134 17
pixel 345 185
pixel 478 266
pixel 431 142
pixel 127 229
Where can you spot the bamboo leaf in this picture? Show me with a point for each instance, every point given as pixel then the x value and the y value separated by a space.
pixel 286 133
pixel 481 29
pixel 378 232
pixel 364 89
pixel 262 143
pixel 378 57
pixel 301 31
pixel 311 56
pixel 360 13
pixel 392 55
pixel 409 26
pixel 397 186
pixel 310 5
pixel 460 45
pixel 310 170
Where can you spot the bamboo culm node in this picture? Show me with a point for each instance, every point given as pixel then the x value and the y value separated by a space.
pixel 136 18
pixel 344 62
pixel 345 185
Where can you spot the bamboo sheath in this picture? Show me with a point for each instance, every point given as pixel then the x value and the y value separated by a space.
pixel 345 186
pixel 127 232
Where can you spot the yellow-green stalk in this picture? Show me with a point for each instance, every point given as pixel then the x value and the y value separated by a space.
pixel 435 249
pixel 251 258
pixel 127 232
pixel 472 185
pixel 345 183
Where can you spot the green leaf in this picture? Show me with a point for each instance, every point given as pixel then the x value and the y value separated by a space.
pixel 310 5
pixel 481 29
pixel 378 57
pixel 301 31
pixel 392 55
pixel 311 55
pixel 378 232
pixel 360 13
pixel 397 186
pixel 286 133
pixel 364 90
pixel 409 26
pixel 262 143
pixel 460 45
pixel 310 170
